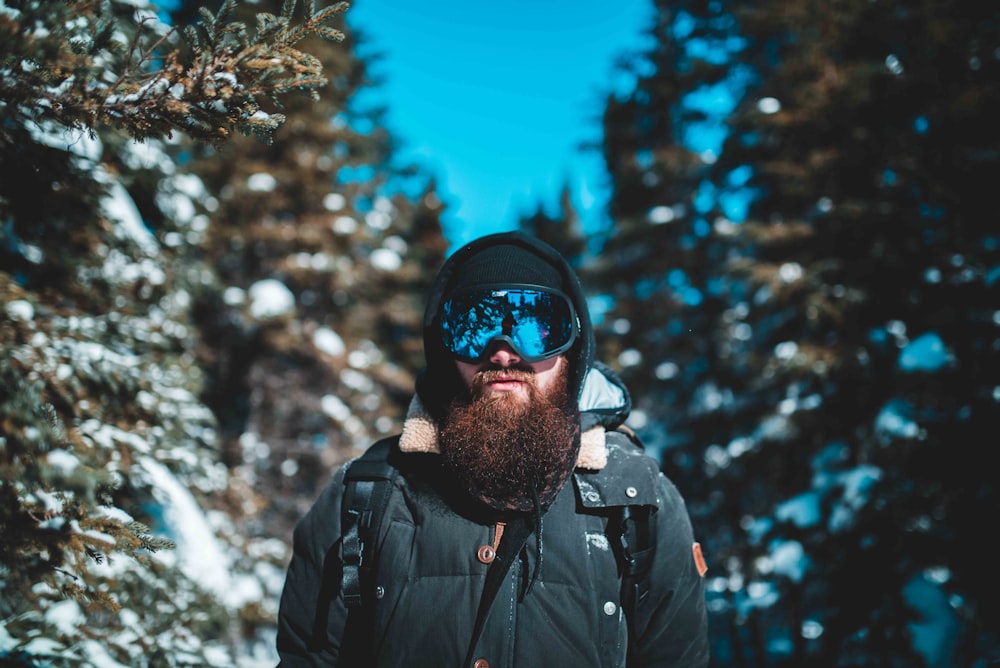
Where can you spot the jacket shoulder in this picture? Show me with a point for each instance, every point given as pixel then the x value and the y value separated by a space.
pixel 631 477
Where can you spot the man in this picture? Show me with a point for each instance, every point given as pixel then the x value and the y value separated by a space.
pixel 498 545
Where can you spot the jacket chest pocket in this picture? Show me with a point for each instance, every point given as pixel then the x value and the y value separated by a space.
pixel 393 570
pixel 610 623
pixel 426 592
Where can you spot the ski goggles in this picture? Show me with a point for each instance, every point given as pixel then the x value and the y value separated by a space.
pixel 538 323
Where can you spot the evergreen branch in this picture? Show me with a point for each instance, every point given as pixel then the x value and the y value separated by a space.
pixel 144 56
pixel 210 23
pixel 227 8
pixel 207 94
pixel 329 12
pixel 330 34
pixel 268 26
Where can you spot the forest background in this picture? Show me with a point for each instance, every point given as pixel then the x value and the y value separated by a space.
pixel 212 273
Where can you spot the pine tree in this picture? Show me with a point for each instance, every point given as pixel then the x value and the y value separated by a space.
pixel 656 270
pixel 865 271
pixel 108 456
pixel 563 232
pixel 826 389
pixel 317 217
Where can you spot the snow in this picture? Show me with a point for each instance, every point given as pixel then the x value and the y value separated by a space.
pixel 42 647
pixel 64 461
pixel 858 485
pixel 199 553
pixel 378 220
pixel 270 298
pixel 598 541
pixel 925 353
pixel 666 370
pixel 894 421
pixel 180 208
pixel 20 309
pixel 7 641
pixel 385 259
pixel 936 626
pixel 769 105
pixel 789 559
pixel 334 407
pixel 802 511
pixel 72 140
pixel 357 381
pixel 328 341
pixel 345 225
pixel 105 436
pixel 98 655
pixel 786 350
pixel 225 77
pixel 148 154
pixel 358 359
pixel 115 513
pixel 630 357
pixel 119 207
pixel 790 272
pixel 334 202
pixel 234 296
pixel 261 182
pixel 661 214
pixel 396 244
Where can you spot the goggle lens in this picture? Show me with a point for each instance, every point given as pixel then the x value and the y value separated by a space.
pixel 536 323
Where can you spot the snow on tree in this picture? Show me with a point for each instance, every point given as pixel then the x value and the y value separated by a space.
pixel 117 549
pixel 806 316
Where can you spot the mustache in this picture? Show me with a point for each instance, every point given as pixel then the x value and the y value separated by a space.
pixel 493 374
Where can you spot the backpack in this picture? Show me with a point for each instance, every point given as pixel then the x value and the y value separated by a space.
pixel 368 484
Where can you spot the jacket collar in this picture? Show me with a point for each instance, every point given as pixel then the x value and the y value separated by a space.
pixel 420 435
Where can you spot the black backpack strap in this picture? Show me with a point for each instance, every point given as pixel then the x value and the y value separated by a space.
pixel 633 535
pixel 368 484
pixel 636 543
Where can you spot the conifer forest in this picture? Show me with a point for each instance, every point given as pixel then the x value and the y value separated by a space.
pixel 212 276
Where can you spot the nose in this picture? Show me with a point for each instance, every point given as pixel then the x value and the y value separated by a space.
pixel 503 355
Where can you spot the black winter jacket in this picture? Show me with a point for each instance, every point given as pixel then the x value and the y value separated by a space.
pixel 429 576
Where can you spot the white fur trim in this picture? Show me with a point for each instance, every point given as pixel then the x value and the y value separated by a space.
pixel 593 450
pixel 420 432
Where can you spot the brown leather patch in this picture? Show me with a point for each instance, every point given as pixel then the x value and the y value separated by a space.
pixel 699 559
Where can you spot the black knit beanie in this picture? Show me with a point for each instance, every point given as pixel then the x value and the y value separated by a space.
pixel 505 264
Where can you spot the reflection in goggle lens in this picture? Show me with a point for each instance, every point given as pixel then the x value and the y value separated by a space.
pixel 537 323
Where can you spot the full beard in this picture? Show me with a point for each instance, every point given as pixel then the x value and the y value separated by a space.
pixel 508 452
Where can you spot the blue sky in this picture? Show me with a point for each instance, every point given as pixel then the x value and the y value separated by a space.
pixel 494 97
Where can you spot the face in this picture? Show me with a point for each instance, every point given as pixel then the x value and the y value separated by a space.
pixel 500 373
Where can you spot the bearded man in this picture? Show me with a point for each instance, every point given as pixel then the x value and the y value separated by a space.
pixel 523 525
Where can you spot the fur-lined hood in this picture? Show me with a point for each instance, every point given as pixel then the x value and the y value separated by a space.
pixel 604 404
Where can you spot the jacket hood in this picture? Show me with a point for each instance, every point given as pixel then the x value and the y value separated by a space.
pixel 604 401
pixel 439 383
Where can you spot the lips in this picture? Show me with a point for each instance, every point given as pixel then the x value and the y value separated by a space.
pixel 501 380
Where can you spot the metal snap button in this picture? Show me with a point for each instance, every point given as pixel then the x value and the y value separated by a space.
pixel 631 492
pixel 379 591
pixel 610 608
